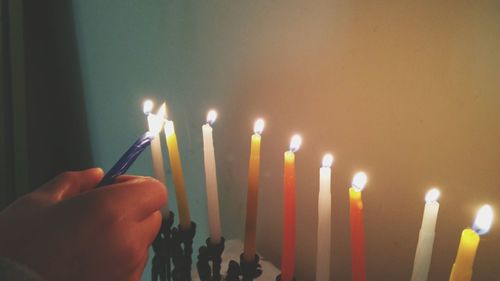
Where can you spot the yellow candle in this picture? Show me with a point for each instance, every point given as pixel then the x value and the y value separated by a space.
pixel 462 268
pixel 176 165
pixel 252 193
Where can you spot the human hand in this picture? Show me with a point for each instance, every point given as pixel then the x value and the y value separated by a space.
pixel 68 230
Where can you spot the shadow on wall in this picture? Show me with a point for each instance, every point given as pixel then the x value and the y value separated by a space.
pixel 44 128
pixel 57 126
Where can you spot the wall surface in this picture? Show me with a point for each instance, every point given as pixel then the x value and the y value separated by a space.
pixel 409 91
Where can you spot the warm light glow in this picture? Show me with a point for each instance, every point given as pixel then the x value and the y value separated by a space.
pixel 258 126
pixel 162 111
pixel 169 128
pixel 211 116
pixel 147 107
pixel 359 181
pixel 295 143
pixel 484 218
pixel 432 195
pixel 327 160
pixel 155 124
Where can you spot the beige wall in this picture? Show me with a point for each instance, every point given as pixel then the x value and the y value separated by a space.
pixel 407 90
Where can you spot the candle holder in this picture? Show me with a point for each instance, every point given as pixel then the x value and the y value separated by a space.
pixel 161 247
pixel 182 249
pixel 247 270
pixel 278 278
pixel 210 253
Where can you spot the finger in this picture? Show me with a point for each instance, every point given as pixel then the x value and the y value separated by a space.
pixel 149 227
pixel 139 197
pixel 125 178
pixel 69 184
pixel 138 271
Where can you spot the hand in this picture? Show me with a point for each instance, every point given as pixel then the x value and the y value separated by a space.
pixel 68 230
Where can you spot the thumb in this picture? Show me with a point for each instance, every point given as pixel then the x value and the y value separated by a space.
pixel 69 184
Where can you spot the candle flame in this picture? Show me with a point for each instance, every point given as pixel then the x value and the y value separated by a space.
pixel 162 111
pixel 432 195
pixel 147 106
pixel 359 181
pixel 327 160
pixel 155 124
pixel 484 218
pixel 258 126
pixel 295 143
pixel 211 116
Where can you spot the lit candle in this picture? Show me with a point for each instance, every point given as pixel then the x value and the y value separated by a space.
pixel 462 268
pixel 288 250
pixel 128 158
pixel 324 217
pixel 423 254
pixel 176 165
pixel 211 179
pixel 156 153
pixel 357 227
pixel 253 190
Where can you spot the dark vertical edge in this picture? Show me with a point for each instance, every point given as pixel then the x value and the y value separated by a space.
pixel 18 92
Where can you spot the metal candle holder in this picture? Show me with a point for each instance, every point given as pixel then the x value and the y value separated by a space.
pixel 161 247
pixel 182 249
pixel 247 270
pixel 278 278
pixel 210 253
pixel 172 245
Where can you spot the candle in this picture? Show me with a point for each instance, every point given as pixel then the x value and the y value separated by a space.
pixel 156 152
pixel 288 250
pixel 324 218
pixel 423 253
pixel 252 193
pixel 462 268
pixel 176 165
pixel 357 227
pixel 211 179
pixel 128 158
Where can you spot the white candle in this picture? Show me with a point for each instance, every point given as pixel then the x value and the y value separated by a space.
pixel 156 152
pixel 324 220
pixel 211 179
pixel 423 254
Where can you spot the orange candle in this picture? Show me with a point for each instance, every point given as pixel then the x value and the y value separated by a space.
pixel 288 250
pixel 357 227
pixel 253 191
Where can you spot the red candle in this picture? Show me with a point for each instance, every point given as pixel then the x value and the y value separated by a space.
pixel 288 251
pixel 357 227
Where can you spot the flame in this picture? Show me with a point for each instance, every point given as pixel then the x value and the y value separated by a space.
pixel 295 143
pixel 155 124
pixel 484 218
pixel 258 126
pixel 211 116
pixel 327 160
pixel 147 107
pixel 162 111
pixel 432 195
pixel 359 181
